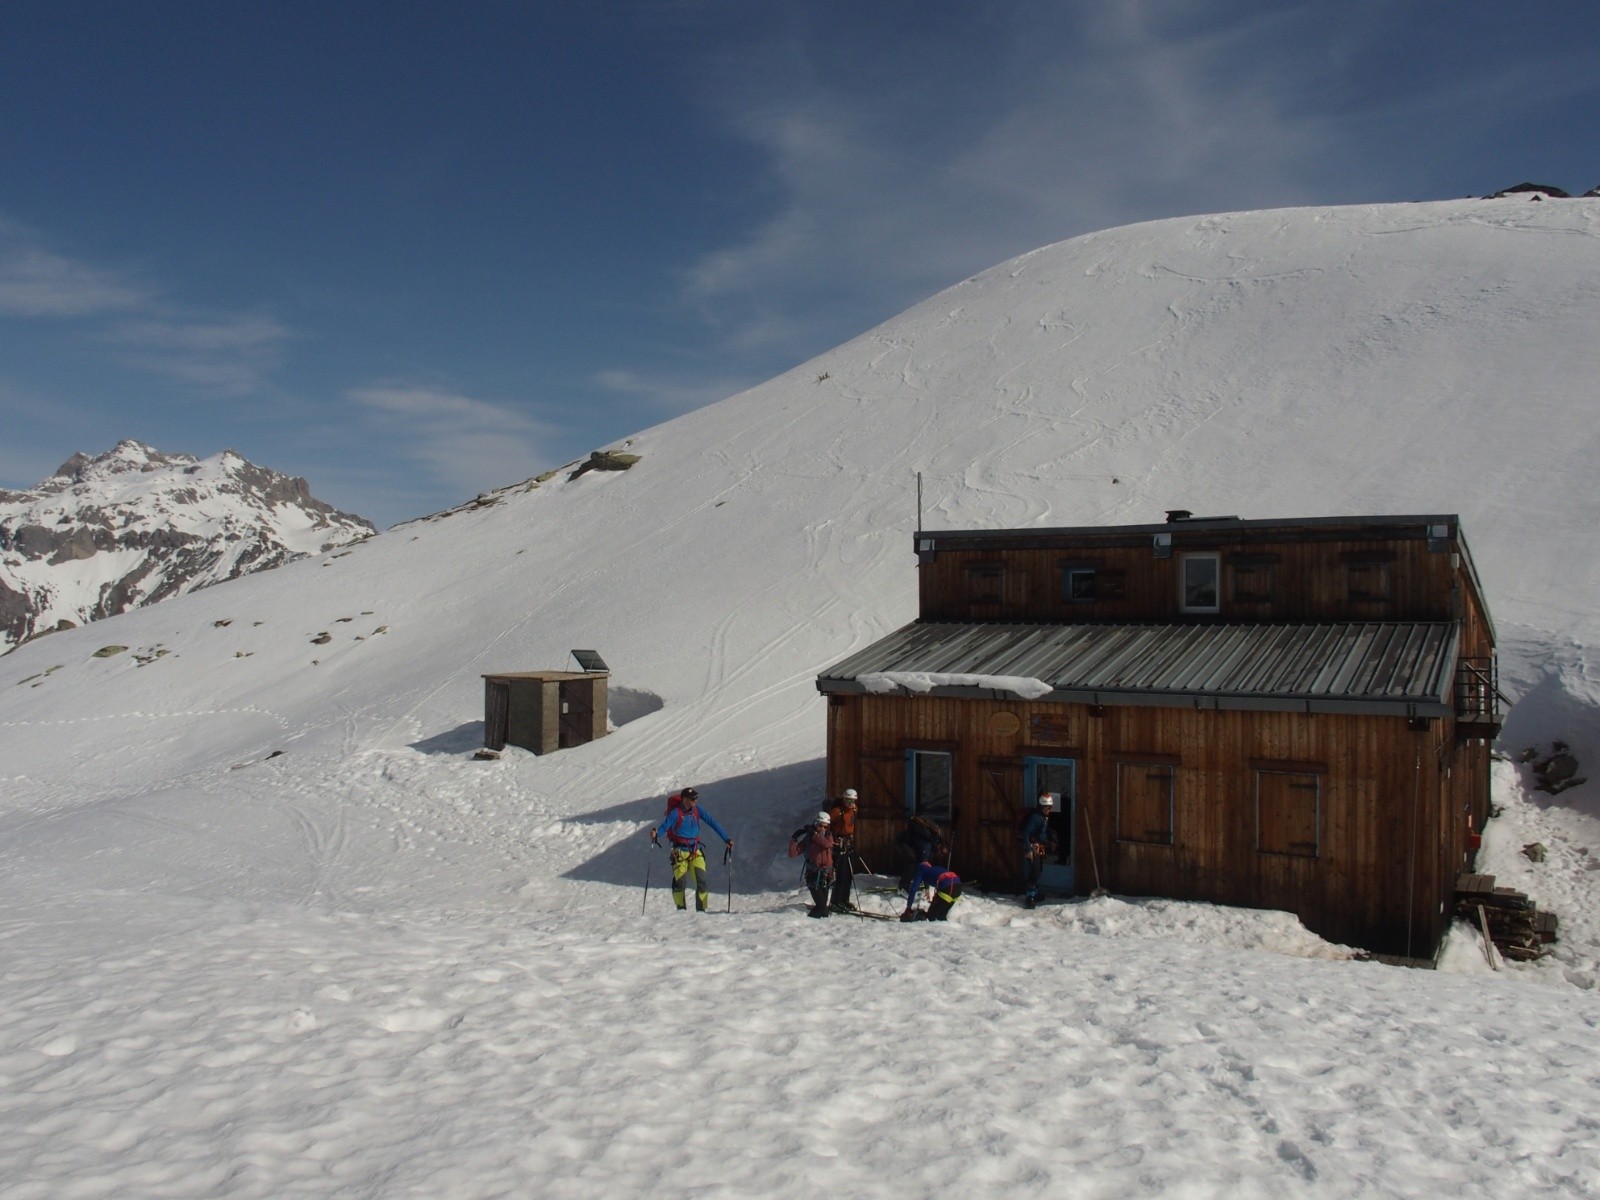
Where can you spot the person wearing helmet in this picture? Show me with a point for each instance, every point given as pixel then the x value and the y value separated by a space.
pixel 815 841
pixel 1038 839
pixel 843 827
pixel 682 829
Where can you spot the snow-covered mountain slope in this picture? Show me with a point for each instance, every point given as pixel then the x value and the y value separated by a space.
pixel 467 935
pixel 133 526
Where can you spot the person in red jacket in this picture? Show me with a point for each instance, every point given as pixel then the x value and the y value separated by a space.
pixel 815 841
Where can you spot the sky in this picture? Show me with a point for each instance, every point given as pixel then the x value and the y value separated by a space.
pixel 414 251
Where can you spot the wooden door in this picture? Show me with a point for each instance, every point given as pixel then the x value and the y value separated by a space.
pixel 995 860
pixel 497 713
pixel 880 808
pixel 577 712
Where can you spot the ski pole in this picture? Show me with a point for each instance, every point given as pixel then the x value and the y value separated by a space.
pixel 727 861
pixel 649 860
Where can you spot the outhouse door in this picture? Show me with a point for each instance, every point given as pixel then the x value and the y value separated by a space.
pixel 577 712
pixel 1058 775
pixel 497 719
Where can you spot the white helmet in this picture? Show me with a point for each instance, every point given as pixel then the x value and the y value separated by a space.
pixel 1046 800
pixel 850 793
pixel 824 819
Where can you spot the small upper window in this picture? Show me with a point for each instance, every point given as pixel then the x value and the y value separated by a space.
pixel 1080 585
pixel 1252 579
pixel 1201 573
pixel 984 583
pixel 1368 581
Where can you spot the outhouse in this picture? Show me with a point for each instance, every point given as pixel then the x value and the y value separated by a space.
pixel 546 710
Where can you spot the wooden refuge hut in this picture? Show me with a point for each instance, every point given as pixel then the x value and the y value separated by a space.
pixel 544 711
pixel 1287 714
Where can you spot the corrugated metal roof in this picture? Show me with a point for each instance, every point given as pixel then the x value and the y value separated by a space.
pixel 1384 667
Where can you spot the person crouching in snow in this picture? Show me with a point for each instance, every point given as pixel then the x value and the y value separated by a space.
pixel 682 827
pixel 815 841
pixel 946 885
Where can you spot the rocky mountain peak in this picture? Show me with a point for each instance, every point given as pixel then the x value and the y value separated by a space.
pixel 134 525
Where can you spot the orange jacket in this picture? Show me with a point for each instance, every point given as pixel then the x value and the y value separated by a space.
pixel 843 819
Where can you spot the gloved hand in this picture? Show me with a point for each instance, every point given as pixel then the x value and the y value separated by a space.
pixel 654 841
pixel 729 843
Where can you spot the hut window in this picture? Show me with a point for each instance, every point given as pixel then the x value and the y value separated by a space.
pixel 1367 580
pixel 1199 581
pixel 983 583
pixel 1144 802
pixel 1252 580
pixel 1288 811
pixel 928 784
pixel 1078 585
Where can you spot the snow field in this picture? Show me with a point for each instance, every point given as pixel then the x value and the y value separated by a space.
pixel 205 1050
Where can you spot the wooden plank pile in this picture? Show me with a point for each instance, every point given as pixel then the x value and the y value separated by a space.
pixel 1511 921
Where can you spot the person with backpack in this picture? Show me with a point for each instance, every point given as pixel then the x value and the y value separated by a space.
pixel 946 885
pixel 1038 840
pixel 920 841
pixel 815 841
pixel 842 824
pixel 681 826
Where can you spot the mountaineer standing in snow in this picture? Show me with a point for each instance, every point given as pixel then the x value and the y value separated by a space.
pixel 843 827
pixel 682 827
pixel 815 841
pixel 1037 842
pixel 946 885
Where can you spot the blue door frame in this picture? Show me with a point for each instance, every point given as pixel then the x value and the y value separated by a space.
pixel 1058 775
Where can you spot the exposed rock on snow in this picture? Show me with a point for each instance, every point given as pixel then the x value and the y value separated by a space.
pixel 133 526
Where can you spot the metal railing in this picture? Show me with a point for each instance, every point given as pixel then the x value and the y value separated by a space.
pixel 1478 695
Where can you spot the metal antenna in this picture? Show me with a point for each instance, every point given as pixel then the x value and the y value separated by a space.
pixel 919 501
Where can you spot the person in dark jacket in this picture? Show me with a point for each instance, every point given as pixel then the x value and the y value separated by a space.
pixel 842 824
pixel 920 841
pixel 946 890
pixel 682 829
pixel 1038 839
pixel 816 842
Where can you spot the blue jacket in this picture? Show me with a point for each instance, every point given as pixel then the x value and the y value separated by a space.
pixel 682 826
pixel 1036 829
pixel 929 875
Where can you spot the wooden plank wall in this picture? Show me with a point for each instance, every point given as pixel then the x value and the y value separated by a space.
pixel 1309 581
pixel 1390 835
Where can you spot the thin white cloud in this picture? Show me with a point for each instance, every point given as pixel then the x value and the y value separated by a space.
pixel 673 395
pixel 37 282
pixel 461 442
pixel 227 356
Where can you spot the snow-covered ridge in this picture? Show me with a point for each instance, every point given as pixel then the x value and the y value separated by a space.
pixel 133 526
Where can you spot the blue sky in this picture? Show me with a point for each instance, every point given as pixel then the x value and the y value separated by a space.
pixel 416 250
